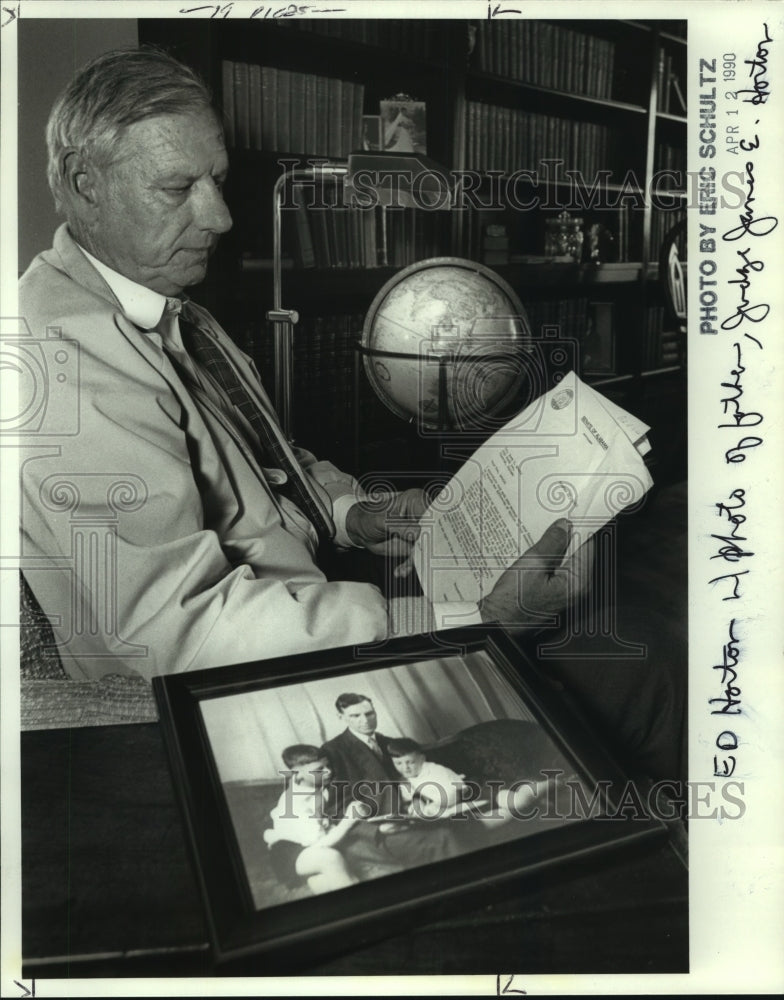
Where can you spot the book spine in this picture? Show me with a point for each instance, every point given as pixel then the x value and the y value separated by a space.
pixel 318 220
pixel 242 104
pixel 335 116
pixel 307 253
pixel 346 117
pixel 578 78
pixel 283 130
pixel 229 114
pixel 356 117
pixel 322 115
pixel 311 127
pixel 269 108
pixel 660 72
pixel 297 112
pixel 590 67
pixel 255 107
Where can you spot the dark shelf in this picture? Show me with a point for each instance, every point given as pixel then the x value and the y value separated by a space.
pixel 598 381
pixel 567 275
pixel 667 36
pixel 244 156
pixel 665 116
pixel 612 187
pixel 664 370
pixel 314 282
pixel 277 43
pixel 548 99
pixel 335 281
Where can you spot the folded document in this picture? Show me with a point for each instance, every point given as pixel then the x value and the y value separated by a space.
pixel 571 453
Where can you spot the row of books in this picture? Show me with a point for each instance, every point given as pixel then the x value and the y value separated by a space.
pixel 570 315
pixel 670 89
pixel 661 223
pixel 669 157
pixel 323 367
pixel 327 403
pixel 661 345
pixel 507 139
pixel 323 380
pixel 416 38
pixel 363 238
pixel 267 108
pixel 546 55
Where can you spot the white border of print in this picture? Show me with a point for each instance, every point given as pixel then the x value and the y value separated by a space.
pixel 737 909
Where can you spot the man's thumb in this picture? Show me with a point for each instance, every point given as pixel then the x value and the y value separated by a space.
pixel 555 540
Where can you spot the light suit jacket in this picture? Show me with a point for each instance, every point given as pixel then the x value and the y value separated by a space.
pixel 150 535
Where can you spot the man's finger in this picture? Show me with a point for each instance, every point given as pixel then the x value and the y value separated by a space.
pixel 574 577
pixel 396 547
pixel 580 566
pixel 410 504
pixel 554 542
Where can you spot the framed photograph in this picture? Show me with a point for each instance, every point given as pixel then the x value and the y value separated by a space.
pixel 403 125
pixel 332 796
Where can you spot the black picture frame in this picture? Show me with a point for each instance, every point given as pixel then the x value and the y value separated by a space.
pixel 283 938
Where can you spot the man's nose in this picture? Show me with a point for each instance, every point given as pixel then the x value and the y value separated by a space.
pixel 211 213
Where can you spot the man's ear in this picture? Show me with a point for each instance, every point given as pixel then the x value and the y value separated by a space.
pixel 78 178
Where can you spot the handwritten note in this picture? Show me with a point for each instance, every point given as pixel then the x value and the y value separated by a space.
pixel 221 11
pixel 738 177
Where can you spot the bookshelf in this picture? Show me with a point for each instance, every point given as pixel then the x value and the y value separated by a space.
pixel 536 111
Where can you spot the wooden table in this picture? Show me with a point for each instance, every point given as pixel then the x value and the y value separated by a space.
pixel 108 888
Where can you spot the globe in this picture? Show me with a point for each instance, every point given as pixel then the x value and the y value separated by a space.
pixel 443 343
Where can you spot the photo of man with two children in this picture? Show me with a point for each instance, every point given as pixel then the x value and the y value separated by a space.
pixel 339 780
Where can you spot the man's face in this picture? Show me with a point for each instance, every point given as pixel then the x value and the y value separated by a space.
pixel 360 718
pixel 159 207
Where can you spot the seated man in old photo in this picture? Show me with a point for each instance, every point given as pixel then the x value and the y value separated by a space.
pixel 177 528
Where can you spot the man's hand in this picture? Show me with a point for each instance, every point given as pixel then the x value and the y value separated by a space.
pixel 537 584
pixel 389 525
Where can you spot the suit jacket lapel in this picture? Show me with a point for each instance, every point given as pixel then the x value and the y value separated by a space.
pixel 75 264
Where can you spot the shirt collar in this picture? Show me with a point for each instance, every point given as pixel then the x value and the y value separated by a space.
pixel 141 305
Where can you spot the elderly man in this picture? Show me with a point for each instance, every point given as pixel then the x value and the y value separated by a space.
pixel 176 528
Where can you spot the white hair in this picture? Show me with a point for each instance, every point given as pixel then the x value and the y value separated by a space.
pixel 110 93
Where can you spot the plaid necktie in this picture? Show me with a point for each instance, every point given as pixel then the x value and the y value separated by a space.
pixel 275 451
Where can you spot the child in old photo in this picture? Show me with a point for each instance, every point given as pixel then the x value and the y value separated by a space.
pixel 304 836
pixel 433 791
pixel 427 789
